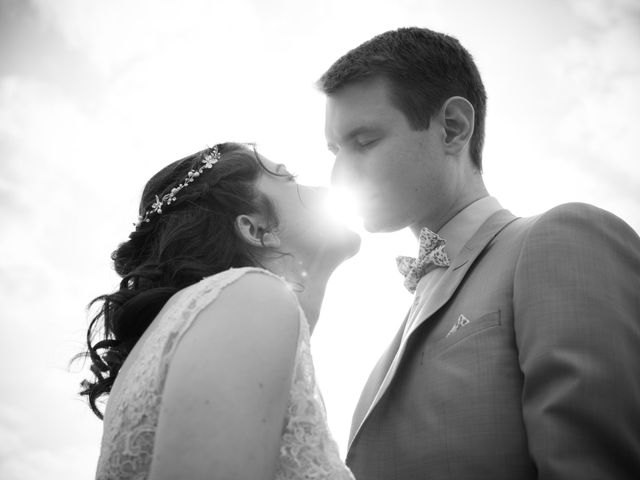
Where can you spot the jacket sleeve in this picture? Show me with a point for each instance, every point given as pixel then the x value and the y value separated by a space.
pixel 577 324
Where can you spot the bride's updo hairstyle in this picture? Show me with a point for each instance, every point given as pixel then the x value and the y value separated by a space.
pixel 193 237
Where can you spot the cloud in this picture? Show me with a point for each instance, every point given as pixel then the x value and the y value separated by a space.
pixel 29 451
pixel 607 13
pixel 53 462
pixel 32 48
pixel 120 33
pixel 600 71
pixel 570 131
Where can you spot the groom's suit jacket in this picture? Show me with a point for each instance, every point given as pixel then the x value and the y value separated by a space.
pixel 525 364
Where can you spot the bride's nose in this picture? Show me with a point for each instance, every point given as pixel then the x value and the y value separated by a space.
pixel 314 196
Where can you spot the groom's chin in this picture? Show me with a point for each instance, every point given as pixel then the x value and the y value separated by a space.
pixel 349 246
pixel 373 227
pixel 380 225
pixel 355 241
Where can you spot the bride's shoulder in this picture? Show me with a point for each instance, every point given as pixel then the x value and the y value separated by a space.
pixel 258 284
pixel 232 276
pixel 251 293
pixel 255 312
pixel 232 369
pixel 254 282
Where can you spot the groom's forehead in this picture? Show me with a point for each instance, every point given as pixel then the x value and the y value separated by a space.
pixel 361 96
pixel 346 119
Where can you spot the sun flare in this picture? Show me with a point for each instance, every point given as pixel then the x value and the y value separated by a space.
pixel 342 206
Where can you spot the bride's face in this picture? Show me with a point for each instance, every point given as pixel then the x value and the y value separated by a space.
pixel 305 226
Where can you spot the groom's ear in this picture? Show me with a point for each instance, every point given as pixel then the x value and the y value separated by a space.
pixel 254 230
pixel 457 115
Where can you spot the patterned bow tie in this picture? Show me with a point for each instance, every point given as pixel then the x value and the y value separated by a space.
pixel 431 255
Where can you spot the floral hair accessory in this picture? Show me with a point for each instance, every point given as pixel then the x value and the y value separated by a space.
pixel 211 157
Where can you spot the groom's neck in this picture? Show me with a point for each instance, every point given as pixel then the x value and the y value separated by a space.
pixel 472 191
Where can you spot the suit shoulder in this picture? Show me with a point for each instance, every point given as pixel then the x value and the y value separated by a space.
pixel 580 224
pixel 582 217
pixel 574 209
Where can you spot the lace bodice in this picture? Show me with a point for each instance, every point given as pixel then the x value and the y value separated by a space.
pixel 307 450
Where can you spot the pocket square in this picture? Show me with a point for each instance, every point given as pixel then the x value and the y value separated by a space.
pixel 461 322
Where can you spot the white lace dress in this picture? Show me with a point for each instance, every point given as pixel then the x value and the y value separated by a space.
pixel 307 450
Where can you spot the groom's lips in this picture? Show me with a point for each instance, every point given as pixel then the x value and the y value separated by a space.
pixel 374 207
pixel 368 203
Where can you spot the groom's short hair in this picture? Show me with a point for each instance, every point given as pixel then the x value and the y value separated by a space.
pixel 423 68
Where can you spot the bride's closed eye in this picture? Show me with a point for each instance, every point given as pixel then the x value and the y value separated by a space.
pixel 282 171
pixel 291 177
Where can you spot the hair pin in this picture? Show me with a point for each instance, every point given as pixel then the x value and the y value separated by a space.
pixel 211 157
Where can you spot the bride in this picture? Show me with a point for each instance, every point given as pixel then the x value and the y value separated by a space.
pixel 203 351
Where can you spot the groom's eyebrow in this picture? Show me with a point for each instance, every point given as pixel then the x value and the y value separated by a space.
pixel 359 131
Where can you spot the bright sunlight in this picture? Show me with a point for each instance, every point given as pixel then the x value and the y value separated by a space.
pixel 342 206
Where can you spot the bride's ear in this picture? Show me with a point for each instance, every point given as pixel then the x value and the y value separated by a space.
pixel 254 230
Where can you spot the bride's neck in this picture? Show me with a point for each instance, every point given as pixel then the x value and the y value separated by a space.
pixel 309 281
pixel 312 295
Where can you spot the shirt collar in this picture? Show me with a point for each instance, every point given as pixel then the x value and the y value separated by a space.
pixel 459 230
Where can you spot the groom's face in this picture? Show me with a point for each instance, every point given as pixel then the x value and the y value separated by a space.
pixel 400 176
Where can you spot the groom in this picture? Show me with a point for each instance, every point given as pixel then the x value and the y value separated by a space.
pixel 520 356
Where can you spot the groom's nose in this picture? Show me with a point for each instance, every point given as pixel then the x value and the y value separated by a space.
pixel 342 173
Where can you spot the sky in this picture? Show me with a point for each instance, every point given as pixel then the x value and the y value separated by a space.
pixel 97 96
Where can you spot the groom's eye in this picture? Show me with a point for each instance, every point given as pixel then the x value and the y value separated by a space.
pixel 366 142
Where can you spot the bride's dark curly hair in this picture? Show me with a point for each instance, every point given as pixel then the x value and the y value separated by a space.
pixel 193 238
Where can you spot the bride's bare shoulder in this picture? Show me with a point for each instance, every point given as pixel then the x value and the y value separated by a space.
pixel 255 304
pixel 231 372
pixel 255 289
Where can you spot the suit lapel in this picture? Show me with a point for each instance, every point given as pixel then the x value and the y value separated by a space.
pixel 375 380
pixel 444 291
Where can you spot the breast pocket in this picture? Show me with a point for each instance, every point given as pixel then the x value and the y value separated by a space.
pixel 465 329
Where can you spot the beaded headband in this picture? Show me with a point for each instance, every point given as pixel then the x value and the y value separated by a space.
pixel 210 159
